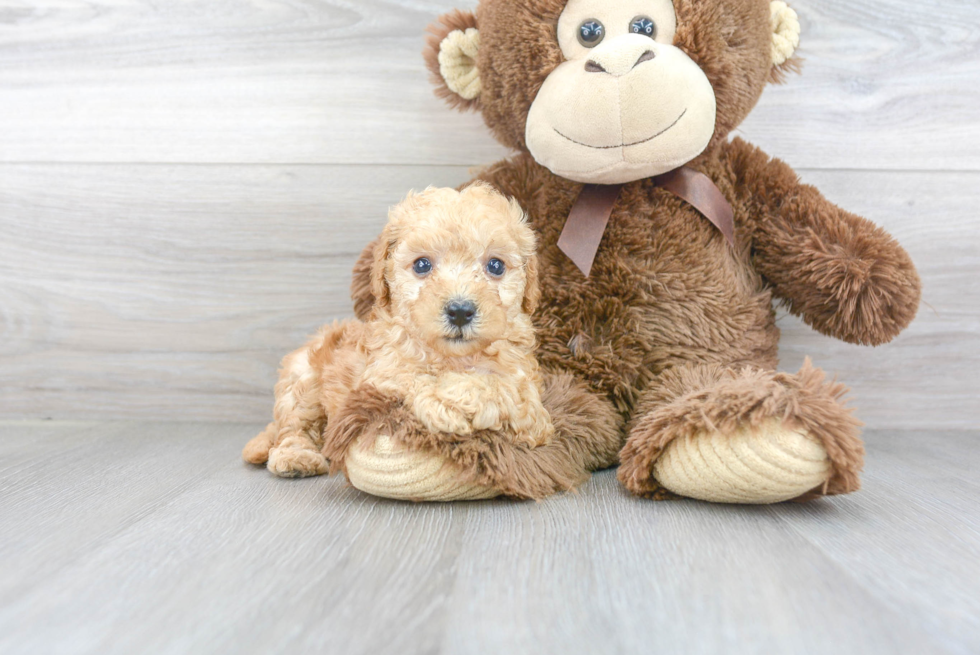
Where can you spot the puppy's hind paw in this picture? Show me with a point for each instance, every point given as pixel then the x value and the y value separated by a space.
pixel 256 451
pixel 286 462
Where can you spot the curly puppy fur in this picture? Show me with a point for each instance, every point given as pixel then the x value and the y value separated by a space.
pixel 674 330
pixel 455 380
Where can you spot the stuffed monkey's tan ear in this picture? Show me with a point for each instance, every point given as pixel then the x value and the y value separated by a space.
pixel 379 267
pixel 451 56
pixel 785 39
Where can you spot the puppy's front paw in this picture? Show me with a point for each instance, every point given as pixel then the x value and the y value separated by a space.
pixel 448 420
pixel 545 432
pixel 467 393
pixel 436 416
pixel 296 460
pixel 535 434
pixel 488 417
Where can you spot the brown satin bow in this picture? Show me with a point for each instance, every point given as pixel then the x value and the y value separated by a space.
pixel 589 217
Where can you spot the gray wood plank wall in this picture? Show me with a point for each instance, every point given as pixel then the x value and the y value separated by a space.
pixel 185 186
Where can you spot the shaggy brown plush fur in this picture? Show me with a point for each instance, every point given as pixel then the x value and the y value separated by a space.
pixel 674 330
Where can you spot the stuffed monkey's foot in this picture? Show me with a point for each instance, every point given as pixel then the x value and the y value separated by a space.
pixel 386 451
pixel 382 468
pixel 742 436
pixel 297 457
pixel 768 464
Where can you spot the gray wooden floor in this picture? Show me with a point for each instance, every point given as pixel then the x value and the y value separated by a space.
pixel 135 537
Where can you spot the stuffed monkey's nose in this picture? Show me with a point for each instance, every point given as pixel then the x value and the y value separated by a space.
pixel 460 313
pixel 621 55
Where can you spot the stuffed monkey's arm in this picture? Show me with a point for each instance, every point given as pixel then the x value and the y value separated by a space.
pixel 846 277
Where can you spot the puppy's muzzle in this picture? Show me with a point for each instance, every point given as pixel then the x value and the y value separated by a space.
pixel 460 313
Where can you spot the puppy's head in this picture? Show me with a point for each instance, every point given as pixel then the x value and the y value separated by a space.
pixel 458 269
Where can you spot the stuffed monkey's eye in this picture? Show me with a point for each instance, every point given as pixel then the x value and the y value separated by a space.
pixel 643 25
pixel 496 268
pixel 590 33
pixel 422 266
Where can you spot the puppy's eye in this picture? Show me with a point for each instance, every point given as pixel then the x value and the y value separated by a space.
pixel 422 266
pixel 643 25
pixel 591 33
pixel 496 268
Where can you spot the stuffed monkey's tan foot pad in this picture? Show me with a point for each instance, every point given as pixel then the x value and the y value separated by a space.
pixel 384 469
pixel 767 464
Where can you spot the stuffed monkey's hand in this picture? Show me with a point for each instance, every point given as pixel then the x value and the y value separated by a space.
pixel 850 280
pixel 845 276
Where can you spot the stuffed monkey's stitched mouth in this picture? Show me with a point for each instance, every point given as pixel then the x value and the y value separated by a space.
pixel 624 145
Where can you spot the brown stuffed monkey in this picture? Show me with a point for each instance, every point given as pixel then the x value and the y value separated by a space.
pixel 663 245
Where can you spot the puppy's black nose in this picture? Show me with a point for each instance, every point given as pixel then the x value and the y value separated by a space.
pixel 460 313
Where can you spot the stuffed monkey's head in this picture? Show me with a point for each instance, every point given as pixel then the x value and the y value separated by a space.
pixel 612 91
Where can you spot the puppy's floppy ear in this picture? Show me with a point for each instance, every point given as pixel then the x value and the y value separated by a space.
pixel 451 55
pixel 360 286
pixel 379 283
pixel 527 243
pixel 532 291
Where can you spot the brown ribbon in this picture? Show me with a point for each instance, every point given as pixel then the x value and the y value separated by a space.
pixel 586 224
pixel 589 217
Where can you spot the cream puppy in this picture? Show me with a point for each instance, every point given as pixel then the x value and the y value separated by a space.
pixel 455 282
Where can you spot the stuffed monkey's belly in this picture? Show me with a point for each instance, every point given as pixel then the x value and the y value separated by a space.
pixel 623 327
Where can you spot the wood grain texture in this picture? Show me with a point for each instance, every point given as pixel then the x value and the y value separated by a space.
pixel 888 84
pixel 171 292
pixel 153 537
pixel 930 533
